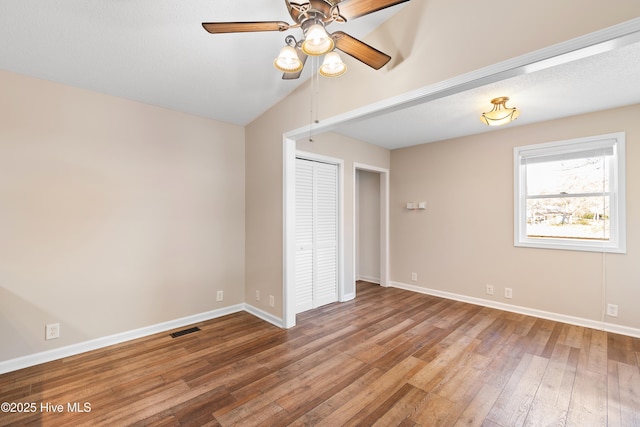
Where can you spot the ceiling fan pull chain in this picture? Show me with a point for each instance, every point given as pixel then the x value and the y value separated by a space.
pixel 313 102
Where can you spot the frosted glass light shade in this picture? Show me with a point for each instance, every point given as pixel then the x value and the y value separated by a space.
pixel 332 66
pixel 317 41
pixel 288 61
pixel 500 114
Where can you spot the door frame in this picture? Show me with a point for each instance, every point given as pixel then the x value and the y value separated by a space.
pixel 384 219
pixel 290 153
pixel 339 164
pixel 289 289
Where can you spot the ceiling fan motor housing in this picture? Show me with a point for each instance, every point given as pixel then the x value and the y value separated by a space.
pixel 314 12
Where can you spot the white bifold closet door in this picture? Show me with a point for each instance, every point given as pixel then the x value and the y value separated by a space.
pixel 316 234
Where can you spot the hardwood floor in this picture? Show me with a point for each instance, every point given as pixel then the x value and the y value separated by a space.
pixel 389 358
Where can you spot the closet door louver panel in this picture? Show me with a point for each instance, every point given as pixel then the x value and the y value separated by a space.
pixel 304 235
pixel 316 234
pixel 326 234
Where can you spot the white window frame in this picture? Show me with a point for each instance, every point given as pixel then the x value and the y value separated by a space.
pixel 617 210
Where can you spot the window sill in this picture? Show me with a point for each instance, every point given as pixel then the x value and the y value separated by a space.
pixel 571 245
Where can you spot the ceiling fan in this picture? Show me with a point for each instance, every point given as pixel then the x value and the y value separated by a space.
pixel 313 17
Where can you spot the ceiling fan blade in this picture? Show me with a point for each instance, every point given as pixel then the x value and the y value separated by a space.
pixel 244 27
pixel 303 58
pixel 360 50
pixel 352 9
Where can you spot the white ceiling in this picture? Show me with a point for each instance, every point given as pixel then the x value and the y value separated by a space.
pixel 598 82
pixel 156 52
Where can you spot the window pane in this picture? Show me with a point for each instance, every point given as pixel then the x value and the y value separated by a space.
pixel 569 218
pixel 570 195
pixel 573 176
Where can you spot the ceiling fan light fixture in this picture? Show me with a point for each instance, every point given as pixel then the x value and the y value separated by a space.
pixel 317 41
pixel 500 114
pixel 332 66
pixel 288 61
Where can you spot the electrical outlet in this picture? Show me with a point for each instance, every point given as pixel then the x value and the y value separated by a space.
pixel 489 289
pixel 508 293
pixel 272 301
pixel 612 310
pixel 219 295
pixel 52 331
pixel 414 277
pixel 257 295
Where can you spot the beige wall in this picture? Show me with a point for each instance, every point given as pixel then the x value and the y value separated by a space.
pixel 266 269
pixel 114 215
pixel 464 240
pixel 430 41
pixel 264 232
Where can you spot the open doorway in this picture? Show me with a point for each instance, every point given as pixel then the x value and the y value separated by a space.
pixel 367 226
pixel 371 224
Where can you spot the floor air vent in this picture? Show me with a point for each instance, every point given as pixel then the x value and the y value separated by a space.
pixel 184 332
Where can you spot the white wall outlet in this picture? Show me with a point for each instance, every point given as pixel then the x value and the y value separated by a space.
pixel 489 289
pixel 219 295
pixel 508 293
pixel 52 331
pixel 272 301
pixel 257 295
pixel 414 277
pixel 612 310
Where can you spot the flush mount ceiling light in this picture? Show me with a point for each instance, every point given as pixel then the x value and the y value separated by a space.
pixel 500 114
pixel 313 17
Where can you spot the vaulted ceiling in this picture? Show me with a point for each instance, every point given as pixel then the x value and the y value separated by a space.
pixel 157 52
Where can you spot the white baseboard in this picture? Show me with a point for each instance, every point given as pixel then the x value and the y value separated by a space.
pixel 264 315
pixel 578 321
pixel 348 297
pixel 370 279
pixel 71 350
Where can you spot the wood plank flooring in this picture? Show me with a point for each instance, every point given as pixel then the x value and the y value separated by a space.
pixel 388 358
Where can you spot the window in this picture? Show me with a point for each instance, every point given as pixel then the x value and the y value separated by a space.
pixel 571 194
